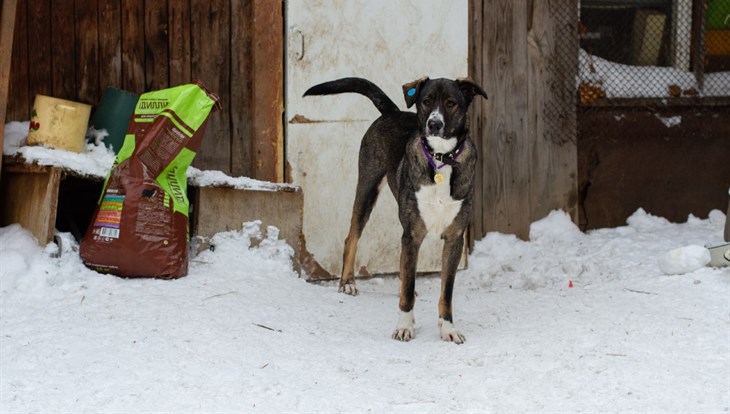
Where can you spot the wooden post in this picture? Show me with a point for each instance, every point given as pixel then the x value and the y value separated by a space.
pixel 526 131
pixel 242 105
pixel 210 62
pixel 475 63
pixel 502 199
pixel 7 28
pixel 268 90
pixel 552 127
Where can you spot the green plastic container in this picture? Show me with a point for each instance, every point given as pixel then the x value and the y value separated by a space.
pixel 718 15
pixel 113 113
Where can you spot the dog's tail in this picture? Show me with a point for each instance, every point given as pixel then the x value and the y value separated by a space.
pixel 356 85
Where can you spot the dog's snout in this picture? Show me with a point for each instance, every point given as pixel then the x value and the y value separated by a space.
pixel 435 125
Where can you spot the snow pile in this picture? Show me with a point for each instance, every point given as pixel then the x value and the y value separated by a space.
pixel 219 179
pixel 557 226
pixel 644 222
pixel 629 81
pixel 15 135
pixel 558 252
pixel 95 161
pixel 684 260
pixel 252 248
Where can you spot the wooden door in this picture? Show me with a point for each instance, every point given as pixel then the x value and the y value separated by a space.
pixel 389 43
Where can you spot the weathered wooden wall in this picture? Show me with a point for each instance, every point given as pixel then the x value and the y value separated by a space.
pixel 7 24
pixel 632 157
pixel 526 130
pixel 73 49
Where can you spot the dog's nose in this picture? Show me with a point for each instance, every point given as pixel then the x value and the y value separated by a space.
pixel 434 125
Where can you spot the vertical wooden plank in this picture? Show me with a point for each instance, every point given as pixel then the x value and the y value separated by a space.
pixel 63 49
pixel 87 51
pixel 20 105
pixel 110 44
pixel 242 108
pixel 487 39
pixel 268 89
pixel 475 63
pixel 505 152
pixel 210 50
pixel 7 31
pixel 552 127
pixel 133 46
pixel 156 43
pixel 39 47
pixel 477 38
pixel 178 15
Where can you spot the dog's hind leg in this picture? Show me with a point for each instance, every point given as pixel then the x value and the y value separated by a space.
pixel 368 188
pixel 453 247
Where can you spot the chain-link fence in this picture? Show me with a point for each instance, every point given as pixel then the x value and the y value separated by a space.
pixel 653 49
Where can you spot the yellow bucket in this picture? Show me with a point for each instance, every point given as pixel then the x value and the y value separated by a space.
pixel 58 123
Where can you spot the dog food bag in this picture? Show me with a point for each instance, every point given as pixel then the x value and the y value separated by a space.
pixel 140 225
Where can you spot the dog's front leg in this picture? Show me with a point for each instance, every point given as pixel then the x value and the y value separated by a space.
pixel 453 247
pixel 410 245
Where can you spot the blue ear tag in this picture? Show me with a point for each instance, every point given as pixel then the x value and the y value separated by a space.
pixel 411 91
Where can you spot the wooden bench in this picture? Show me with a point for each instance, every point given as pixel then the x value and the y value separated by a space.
pixel 32 195
pixel 29 196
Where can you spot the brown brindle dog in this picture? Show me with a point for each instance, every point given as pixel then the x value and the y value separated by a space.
pixel 428 160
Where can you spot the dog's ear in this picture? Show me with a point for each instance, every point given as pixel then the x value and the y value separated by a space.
pixel 412 89
pixel 470 89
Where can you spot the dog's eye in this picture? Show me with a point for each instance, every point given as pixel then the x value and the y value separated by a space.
pixel 450 103
pixel 426 102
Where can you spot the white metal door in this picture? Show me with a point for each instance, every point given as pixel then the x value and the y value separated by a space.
pixel 389 42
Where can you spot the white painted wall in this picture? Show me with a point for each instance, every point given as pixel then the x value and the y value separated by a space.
pixel 389 42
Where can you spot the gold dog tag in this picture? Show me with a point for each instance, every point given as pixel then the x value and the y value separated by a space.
pixel 438 178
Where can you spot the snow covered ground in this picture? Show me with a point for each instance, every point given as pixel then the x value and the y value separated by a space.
pixel 644 327
pixel 242 332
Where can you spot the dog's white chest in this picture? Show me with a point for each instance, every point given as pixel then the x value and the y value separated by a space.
pixel 435 204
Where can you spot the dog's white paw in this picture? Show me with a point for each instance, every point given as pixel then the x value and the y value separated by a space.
pixel 449 333
pixel 405 329
pixel 349 288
